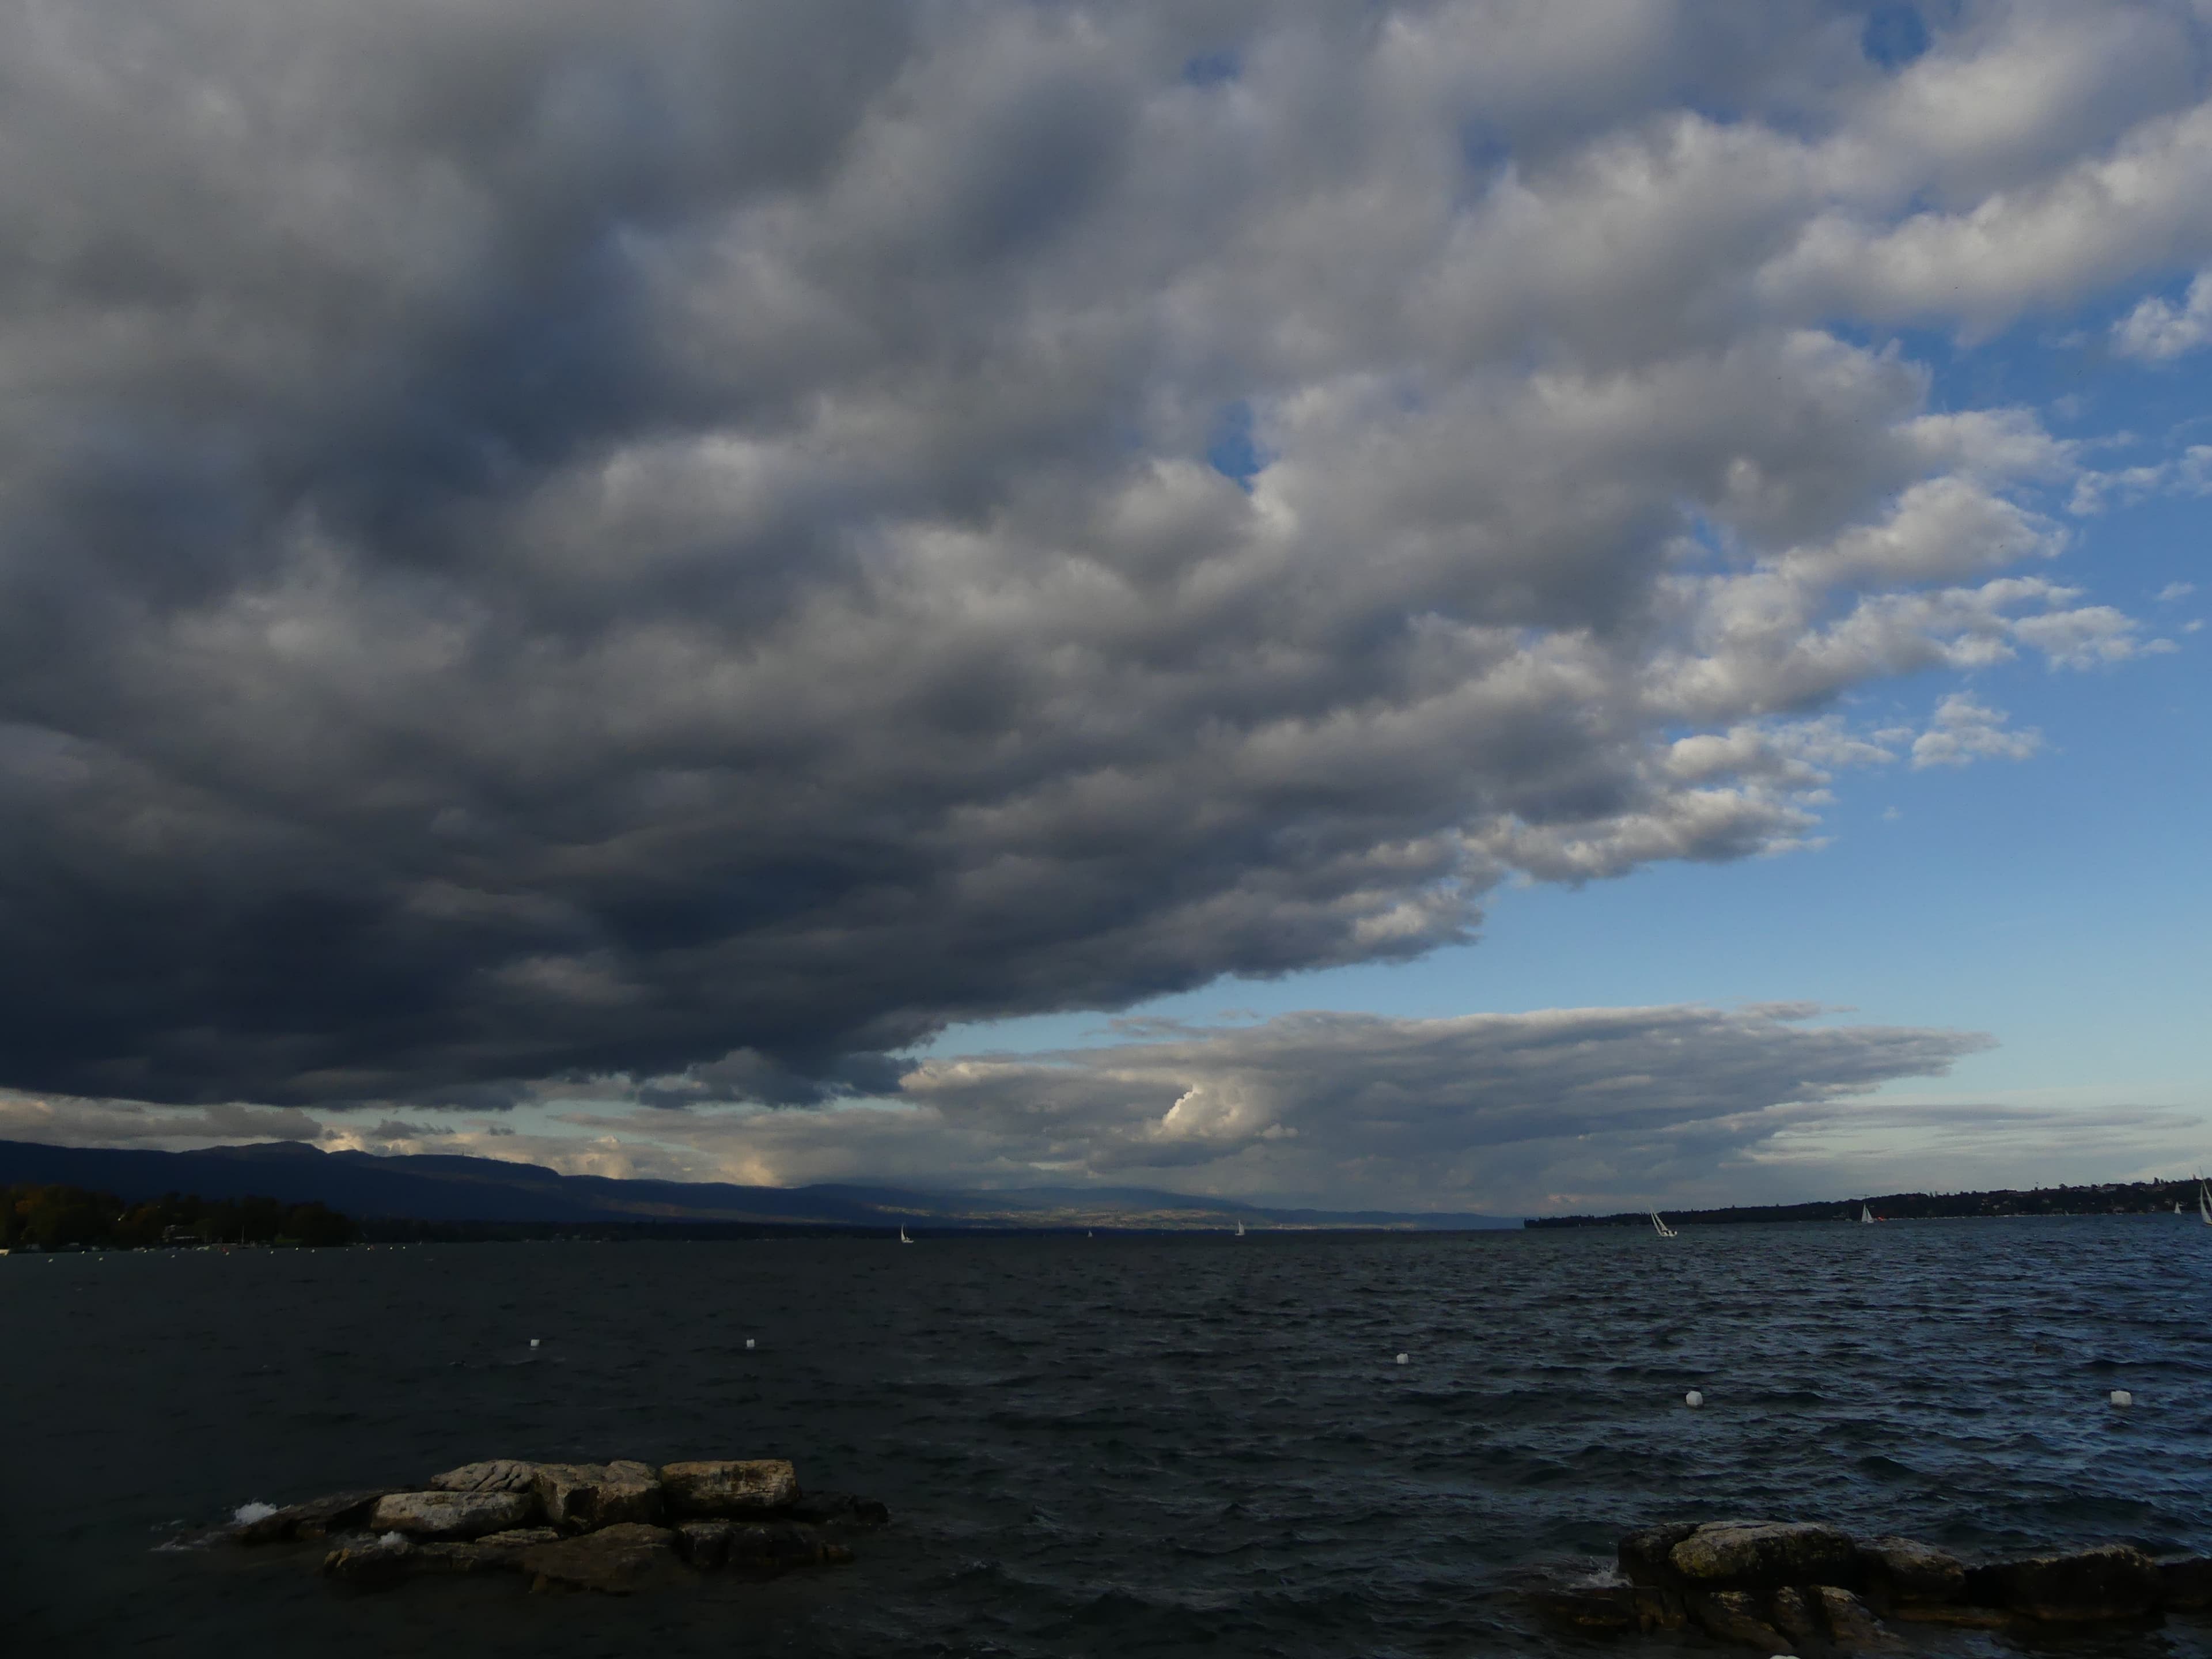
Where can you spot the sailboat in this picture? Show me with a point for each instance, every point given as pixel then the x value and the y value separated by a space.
pixel 1240 1229
pixel 903 1239
pixel 2204 1202
pixel 1866 1216
pixel 1660 1227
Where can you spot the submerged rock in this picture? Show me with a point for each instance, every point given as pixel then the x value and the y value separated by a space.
pixel 616 1560
pixel 2112 1582
pixel 372 1563
pixel 318 1518
pixel 1764 1555
pixel 760 1548
pixel 728 1486
pixel 2187 1581
pixel 835 1508
pixel 1610 1607
pixel 450 1515
pixel 585 1497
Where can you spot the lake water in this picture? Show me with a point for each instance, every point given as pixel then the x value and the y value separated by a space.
pixel 1110 1446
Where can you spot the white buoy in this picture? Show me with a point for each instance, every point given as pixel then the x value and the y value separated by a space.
pixel 2122 1397
pixel 1401 1359
pixel 749 1342
pixel 1693 1400
pixel 533 1341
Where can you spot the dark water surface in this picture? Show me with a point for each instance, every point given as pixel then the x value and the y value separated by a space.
pixel 1112 1446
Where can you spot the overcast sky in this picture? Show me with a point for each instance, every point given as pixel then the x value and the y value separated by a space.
pixel 1552 605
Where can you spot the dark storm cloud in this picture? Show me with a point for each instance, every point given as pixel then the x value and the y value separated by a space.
pixel 540 540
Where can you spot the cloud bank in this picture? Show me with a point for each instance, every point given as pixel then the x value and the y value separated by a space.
pixel 707 542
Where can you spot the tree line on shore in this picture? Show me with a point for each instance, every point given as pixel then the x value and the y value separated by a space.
pixel 2107 1197
pixel 55 1218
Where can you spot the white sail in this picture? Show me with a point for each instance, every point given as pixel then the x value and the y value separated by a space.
pixel 1660 1227
pixel 1866 1215
pixel 903 1239
pixel 2204 1202
pixel 1240 1229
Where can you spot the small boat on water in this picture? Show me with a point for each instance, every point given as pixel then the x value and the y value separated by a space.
pixel 1660 1227
pixel 903 1239
pixel 1867 1217
pixel 2204 1201
pixel 1240 1229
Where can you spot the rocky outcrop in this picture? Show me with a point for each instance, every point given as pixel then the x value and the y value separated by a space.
pixel 575 1526
pixel 2114 1582
pixel 586 1497
pixel 616 1560
pixel 449 1515
pixel 1774 1584
pixel 729 1488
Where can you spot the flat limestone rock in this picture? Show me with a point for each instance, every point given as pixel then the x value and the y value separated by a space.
pixel 1903 1571
pixel 1850 1625
pixel 1764 1555
pixel 318 1518
pixel 2112 1581
pixel 500 1475
pixel 616 1560
pixel 452 1515
pixel 1733 1616
pixel 586 1497
pixel 729 1488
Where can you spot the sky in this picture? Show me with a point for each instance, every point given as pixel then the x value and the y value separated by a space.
pixel 1471 606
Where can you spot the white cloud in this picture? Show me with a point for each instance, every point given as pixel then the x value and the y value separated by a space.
pixel 1964 731
pixel 2158 328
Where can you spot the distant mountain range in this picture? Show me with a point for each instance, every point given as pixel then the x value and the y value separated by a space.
pixel 424 1187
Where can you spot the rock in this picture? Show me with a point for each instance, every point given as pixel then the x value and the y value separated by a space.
pixel 1590 1607
pixel 1643 1554
pixel 728 1487
pixel 617 1559
pixel 372 1563
pixel 500 1474
pixel 1660 1609
pixel 1792 1615
pixel 1733 1616
pixel 761 1548
pixel 318 1518
pixel 1764 1555
pixel 585 1497
pixel 1953 1613
pixel 1850 1625
pixel 832 1509
pixel 451 1514
pixel 498 1551
pixel 2112 1582
pixel 1903 1571
pixel 2187 1581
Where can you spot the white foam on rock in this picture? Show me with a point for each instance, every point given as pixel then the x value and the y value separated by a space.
pixel 246 1514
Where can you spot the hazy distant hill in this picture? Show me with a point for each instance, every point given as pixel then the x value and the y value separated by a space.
pixel 425 1188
